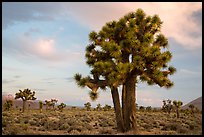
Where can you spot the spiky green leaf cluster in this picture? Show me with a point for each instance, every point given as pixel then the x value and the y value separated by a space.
pixel 177 104
pixel 93 95
pixel 26 94
pixel 133 45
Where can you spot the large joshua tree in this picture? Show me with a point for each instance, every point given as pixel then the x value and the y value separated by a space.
pixel 25 95
pixel 123 53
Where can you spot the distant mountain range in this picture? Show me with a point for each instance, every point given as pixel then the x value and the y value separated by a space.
pixel 197 103
pixel 34 104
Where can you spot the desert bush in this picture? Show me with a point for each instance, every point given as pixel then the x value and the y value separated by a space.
pixel 191 126
pixel 42 122
pixel 182 130
pixel 103 124
pixel 24 127
pixel 8 105
pixel 77 128
pixel 52 124
pixel 155 124
pixel 88 126
pixel 26 121
pixel 32 122
pixel 17 120
pixel 86 119
pixel 74 132
pixel 171 126
pixel 5 114
pixel 4 122
pixel 106 131
pixel 64 126
pixel 71 122
pixel 147 126
pixel 39 116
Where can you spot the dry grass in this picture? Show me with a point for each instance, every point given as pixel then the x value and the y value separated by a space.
pixel 82 122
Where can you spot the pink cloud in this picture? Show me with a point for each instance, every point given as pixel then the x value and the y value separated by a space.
pixel 45 49
pixel 177 17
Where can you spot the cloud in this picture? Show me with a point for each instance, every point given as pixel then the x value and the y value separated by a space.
pixel 6 68
pixel 39 89
pixel 188 72
pixel 45 50
pixel 6 81
pixel 17 76
pixel 69 79
pixel 182 20
pixel 14 12
pixel 31 31
pixel 179 18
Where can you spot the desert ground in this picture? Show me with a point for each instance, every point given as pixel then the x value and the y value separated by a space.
pixel 96 122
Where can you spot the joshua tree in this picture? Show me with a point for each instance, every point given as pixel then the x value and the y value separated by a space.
pixel 141 108
pixel 149 108
pixel 25 95
pixel 61 106
pixel 98 107
pixel 53 102
pixel 177 105
pixel 167 106
pixel 191 106
pixel 87 106
pixel 122 53
pixel 40 105
pixel 8 104
pixel 48 104
pixel 107 107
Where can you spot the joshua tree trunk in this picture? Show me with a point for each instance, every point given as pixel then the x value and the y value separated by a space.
pixel 24 103
pixel 177 112
pixel 117 108
pixel 129 106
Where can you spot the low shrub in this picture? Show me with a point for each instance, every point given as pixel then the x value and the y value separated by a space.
pixel 106 131
pixel 64 126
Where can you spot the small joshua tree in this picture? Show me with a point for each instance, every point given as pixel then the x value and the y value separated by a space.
pixel 25 95
pixel 53 102
pixel 149 108
pixel 98 107
pixel 107 107
pixel 87 106
pixel 141 108
pixel 191 106
pixel 48 104
pixel 8 104
pixel 167 106
pixel 40 105
pixel 61 106
pixel 177 105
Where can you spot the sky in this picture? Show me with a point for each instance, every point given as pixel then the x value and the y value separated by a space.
pixel 43 46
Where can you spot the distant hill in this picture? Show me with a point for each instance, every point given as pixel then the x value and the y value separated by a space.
pixel 34 104
pixel 197 103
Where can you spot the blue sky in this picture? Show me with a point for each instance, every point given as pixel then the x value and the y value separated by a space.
pixel 43 46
